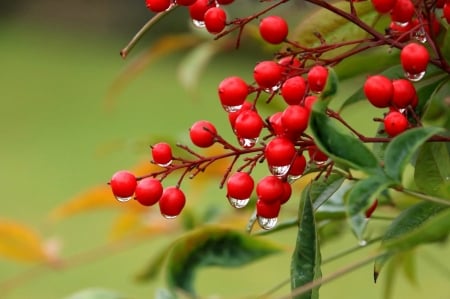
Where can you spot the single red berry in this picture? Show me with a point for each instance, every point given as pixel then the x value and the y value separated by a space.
pixel 162 154
pixel 172 202
pixel 403 11
pixel 414 58
pixel 293 90
pixel 378 90
pixel 298 166
pixel 273 29
pixel 248 124
pixel 198 9
pixel 232 93
pixel 290 64
pixel 185 2
pixel 233 115
pixel 203 133
pixel 269 189
pixel 268 210
pixel 397 29
pixel 317 78
pixel 295 119
pixel 123 184
pixel 279 152
pixel 395 123
pixel 316 155
pixel 446 11
pixel 309 101
pixel 215 19
pixel 275 125
pixel 287 192
pixel 267 74
pixel 371 209
pixel 240 186
pixel 158 5
pixel 383 6
pixel 148 191
pixel 404 93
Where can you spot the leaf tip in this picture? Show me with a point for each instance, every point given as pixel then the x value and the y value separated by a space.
pixel 375 276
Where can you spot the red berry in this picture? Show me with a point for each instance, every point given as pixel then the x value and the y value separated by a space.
pixel 276 126
pixel 295 119
pixel 269 189
pixel 158 5
pixel 414 58
pixel 309 101
pixel 383 6
pixel 267 74
pixel 316 155
pixel 123 184
pixel 287 192
pixel 290 65
pixel 293 90
pixel 240 186
pixel 248 124
pixel 224 2
pixel 198 9
pixel 378 90
pixel 233 115
pixel 395 123
pixel 273 29
pixel 268 210
pixel 215 20
pixel 280 151
pixel 162 154
pixel 371 209
pixel 446 11
pixel 317 78
pixel 404 93
pixel 203 133
pixel 185 2
pixel 298 166
pixel 148 191
pixel 172 202
pixel 232 93
pixel 403 11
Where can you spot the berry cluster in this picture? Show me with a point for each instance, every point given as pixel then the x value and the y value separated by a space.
pixel 296 77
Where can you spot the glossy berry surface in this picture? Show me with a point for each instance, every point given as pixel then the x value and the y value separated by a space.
pixel 215 20
pixel 158 5
pixel 287 192
pixel 123 184
pixel 403 11
pixel 404 93
pixel 298 165
pixel 267 74
pixel 414 58
pixel 172 202
pixel 268 209
pixel 198 9
pixel 248 124
pixel 395 123
pixel 378 90
pixel 148 191
pixel 203 133
pixel 273 29
pixel 295 119
pixel 269 189
pixel 293 90
pixel 316 155
pixel 317 78
pixel 279 151
pixel 232 92
pixel 240 185
pixel 383 6
pixel 162 153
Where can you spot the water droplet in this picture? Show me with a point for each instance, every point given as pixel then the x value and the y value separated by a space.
pixel 238 203
pixel 420 35
pixel 274 88
pixel 247 142
pixel 168 216
pixel 362 243
pixel 279 171
pixel 404 24
pixel 318 163
pixel 414 77
pixel 123 199
pixel 198 24
pixel 165 165
pixel 293 178
pixel 232 108
pixel 267 223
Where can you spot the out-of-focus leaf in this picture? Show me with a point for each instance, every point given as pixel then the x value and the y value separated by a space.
pixel 162 47
pixel 306 258
pixel 404 261
pixel 212 246
pixel 20 242
pixel 339 146
pixel 400 150
pixel 155 266
pixel 407 221
pixel 425 93
pixel 432 172
pixel 360 197
pixel 438 109
pixel 332 27
pixel 97 293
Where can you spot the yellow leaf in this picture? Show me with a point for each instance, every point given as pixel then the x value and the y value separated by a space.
pixel 21 243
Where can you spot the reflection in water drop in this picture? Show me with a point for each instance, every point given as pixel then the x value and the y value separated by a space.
pixel 168 216
pixel 267 223
pixel 292 178
pixel 198 24
pixel 402 24
pixel 362 243
pixel 420 35
pixel 164 165
pixel 279 171
pixel 238 203
pixel 414 77
pixel 123 199
pixel 232 108
pixel 247 142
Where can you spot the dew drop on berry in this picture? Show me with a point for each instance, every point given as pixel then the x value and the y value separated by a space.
pixel 420 35
pixel 198 23
pixel 166 164
pixel 169 216
pixel 231 109
pixel 247 142
pixel 402 24
pixel 124 199
pixel 292 178
pixel 238 203
pixel 279 171
pixel 274 88
pixel 267 223
pixel 414 77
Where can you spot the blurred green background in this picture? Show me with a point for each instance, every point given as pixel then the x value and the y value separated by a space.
pixel 60 137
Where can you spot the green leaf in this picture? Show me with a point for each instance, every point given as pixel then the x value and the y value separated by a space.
pixel 306 259
pixel 334 207
pixel 339 146
pixel 361 197
pixel 403 261
pixel 155 266
pixel 212 246
pixel 438 109
pixel 96 293
pixel 425 93
pixel 331 86
pixel 324 188
pixel 400 150
pixel 332 27
pixel 407 221
pixel 432 172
